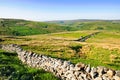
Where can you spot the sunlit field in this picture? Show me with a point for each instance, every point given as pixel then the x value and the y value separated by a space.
pixel 99 50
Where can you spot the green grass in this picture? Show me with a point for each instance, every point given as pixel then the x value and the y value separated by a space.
pixel 92 25
pixel 102 57
pixel 22 27
pixel 111 25
pixel 110 37
pixel 100 50
pixel 93 55
pixel 12 68
pixel 73 34
pixel 108 34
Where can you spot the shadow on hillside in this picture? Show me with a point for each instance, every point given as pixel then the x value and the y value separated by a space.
pixel 1 40
pixel 9 54
pixel 114 65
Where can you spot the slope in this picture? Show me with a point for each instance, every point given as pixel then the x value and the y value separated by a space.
pixel 23 27
pixel 85 24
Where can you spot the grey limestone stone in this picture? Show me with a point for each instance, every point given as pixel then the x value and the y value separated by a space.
pixel 62 69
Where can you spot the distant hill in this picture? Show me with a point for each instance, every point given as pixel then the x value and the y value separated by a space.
pixel 66 22
pixel 20 27
pixel 79 20
pixel 86 24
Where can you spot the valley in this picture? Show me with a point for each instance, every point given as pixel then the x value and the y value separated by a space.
pixel 62 42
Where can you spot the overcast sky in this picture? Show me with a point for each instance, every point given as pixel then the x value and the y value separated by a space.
pixel 44 10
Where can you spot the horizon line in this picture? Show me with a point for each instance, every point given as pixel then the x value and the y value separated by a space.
pixel 60 19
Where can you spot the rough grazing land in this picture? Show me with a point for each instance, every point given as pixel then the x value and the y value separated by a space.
pixel 83 39
pixel 63 69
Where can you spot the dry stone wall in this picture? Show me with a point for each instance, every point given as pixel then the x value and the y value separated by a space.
pixel 63 69
pixel 83 39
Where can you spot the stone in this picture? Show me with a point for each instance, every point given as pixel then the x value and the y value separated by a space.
pixel 105 70
pixel 118 73
pixel 116 78
pixel 89 77
pixel 98 78
pixel 63 69
pixel 84 76
pixel 73 78
pixel 110 73
pixel 77 73
pixel 70 76
pixel 105 77
pixel 66 63
pixel 94 69
pixel 94 72
pixel 100 70
pixel 88 69
pixel 72 67
pixel 80 78
pixel 79 66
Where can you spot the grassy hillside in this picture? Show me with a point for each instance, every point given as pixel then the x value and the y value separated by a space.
pixel 22 27
pixel 66 22
pixel 11 68
pixel 91 24
pixel 98 25
pixel 19 27
pixel 102 49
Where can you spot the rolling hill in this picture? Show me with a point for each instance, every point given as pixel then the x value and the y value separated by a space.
pixel 102 49
pixel 85 24
pixel 20 27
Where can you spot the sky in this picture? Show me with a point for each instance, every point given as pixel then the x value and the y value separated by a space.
pixel 47 10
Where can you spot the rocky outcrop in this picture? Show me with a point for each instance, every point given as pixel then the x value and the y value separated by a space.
pixel 63 69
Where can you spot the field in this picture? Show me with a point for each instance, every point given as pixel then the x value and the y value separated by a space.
pixel 17 27
pixel 11 68
pixel 59 39
pixel 102 49
pixel 112 25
